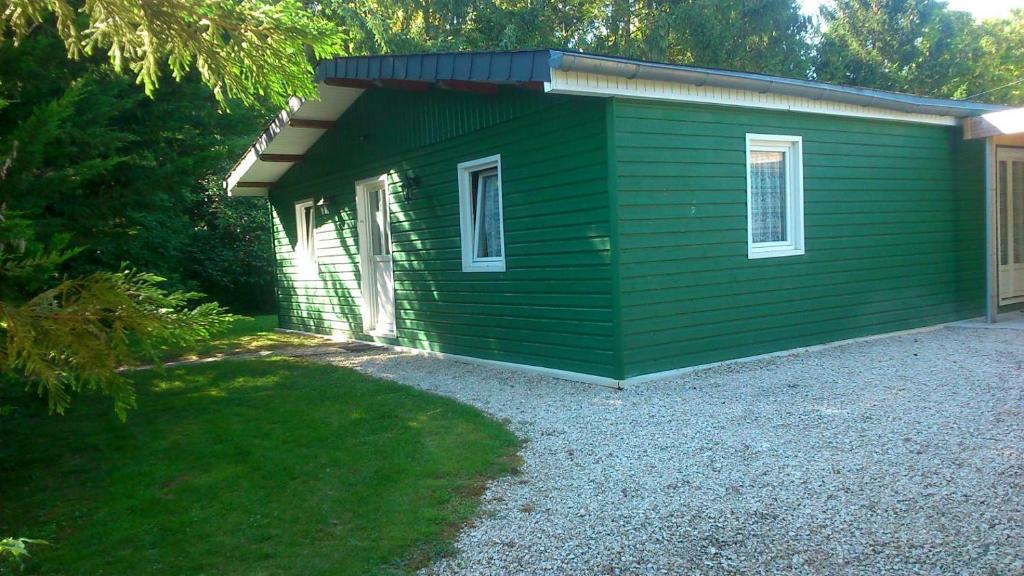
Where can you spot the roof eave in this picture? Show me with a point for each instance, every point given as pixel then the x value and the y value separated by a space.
pixel 1002 123
pixel 341 80
pixel 288 136
pixel 630 69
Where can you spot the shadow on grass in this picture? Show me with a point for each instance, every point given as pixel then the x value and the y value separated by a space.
pixel 246 334
pixel 265 466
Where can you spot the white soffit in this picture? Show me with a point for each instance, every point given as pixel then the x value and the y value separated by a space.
pixel 589 84
pixel 287 138
pixel 1002 123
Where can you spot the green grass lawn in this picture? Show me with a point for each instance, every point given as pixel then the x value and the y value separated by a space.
pixel 246 334
pixel 249 467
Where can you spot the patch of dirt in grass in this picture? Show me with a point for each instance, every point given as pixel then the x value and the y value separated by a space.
pixel 170 485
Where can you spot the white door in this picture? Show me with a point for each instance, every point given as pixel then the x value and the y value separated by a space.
pixel 375 255
pixel 1010 199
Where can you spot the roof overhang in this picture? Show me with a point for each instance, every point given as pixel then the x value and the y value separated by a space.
pixel 1001 123
pixel 342 80
pixel 290 134
pixel 764 84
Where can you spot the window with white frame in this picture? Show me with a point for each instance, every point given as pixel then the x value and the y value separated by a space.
pixel 775 196
pixel 483 237
pixel 305 226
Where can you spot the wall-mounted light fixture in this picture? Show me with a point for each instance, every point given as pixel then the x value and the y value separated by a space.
pixel 410 184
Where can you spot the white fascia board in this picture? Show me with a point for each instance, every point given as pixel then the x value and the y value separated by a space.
pixel 587 84
pixel 247 192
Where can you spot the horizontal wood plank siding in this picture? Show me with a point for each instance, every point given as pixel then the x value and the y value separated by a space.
pixel 894 233
pixel 553 305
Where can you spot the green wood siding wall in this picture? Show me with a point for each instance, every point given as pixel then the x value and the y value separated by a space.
pixel 551 308
pixel 655 191
pixel 894 233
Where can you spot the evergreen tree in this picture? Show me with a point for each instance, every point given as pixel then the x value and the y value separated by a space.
pixel 86 159
pixel 914 46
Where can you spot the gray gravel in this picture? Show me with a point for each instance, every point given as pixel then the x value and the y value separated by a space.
pixel 903 455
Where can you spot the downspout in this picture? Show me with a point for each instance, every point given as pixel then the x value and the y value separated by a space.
pixel 991 265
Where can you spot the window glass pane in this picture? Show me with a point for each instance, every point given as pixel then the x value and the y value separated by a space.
pixel 1018 211
pixel 768 196
pixel 383 215
pixel 487 216
pixel 380 244
pixel 1004 210
pixel 309 229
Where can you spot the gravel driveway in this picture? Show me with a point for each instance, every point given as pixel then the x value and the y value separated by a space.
pixel 903 455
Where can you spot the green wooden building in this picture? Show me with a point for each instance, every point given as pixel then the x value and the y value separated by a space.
pixel 605 219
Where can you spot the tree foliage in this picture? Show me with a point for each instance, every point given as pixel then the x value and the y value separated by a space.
pixel 133 179
pixel 229 253
pixel 241 49
pixel 98 175
pixel 1000 70
pixel 767 35
pixel 921 47
pixel 900 45
pixel 77 333
pixel 16 549
pixel 917 46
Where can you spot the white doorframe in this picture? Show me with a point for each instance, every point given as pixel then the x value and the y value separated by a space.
pixel 1009 259
pixel 373 323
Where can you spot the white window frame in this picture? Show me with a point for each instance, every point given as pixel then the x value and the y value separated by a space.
pixel 304 250
pixel 470 263
pixel 792 147
pixel 368 284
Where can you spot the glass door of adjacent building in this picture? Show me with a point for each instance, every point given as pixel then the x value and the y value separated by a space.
pixel 1010 200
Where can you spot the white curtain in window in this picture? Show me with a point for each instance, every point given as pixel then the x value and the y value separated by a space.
pixel 488 214
pixel 768 196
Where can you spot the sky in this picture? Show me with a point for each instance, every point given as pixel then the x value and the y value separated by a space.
pixel 980 8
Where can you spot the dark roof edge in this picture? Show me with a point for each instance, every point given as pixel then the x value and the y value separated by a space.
pixel 635 69
pixel 500 67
